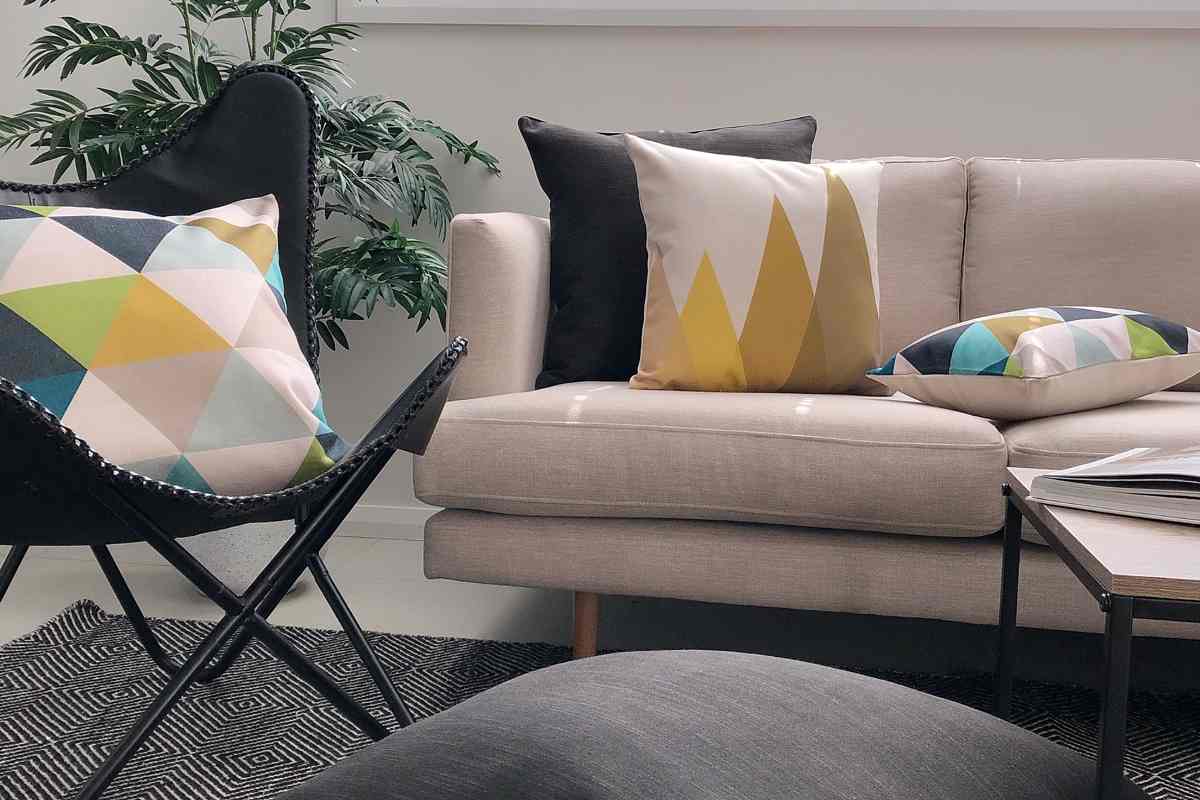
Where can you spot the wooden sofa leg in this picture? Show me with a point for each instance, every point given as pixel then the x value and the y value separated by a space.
pixel 587 623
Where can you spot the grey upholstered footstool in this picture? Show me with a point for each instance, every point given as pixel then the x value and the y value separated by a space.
pixel 686 725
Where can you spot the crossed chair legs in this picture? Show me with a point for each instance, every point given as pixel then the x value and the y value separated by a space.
pixel 245 616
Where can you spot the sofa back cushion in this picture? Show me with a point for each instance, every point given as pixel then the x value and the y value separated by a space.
pixel 922 212
pixel 1096 232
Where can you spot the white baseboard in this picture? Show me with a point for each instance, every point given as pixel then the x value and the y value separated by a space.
pixel 392 522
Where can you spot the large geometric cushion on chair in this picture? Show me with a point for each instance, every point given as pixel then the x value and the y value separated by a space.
pixel 163 342
pixel 693 725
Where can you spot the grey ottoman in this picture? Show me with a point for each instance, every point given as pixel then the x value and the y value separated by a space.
pixel 694 725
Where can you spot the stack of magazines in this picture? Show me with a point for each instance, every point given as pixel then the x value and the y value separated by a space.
pixel 1149 482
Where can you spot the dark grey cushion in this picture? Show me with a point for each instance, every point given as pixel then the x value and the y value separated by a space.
pixel 711 726
pixel 598 235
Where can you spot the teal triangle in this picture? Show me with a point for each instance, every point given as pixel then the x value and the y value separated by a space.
pixel 975 351
pixel 887 369
pixel 995 369
pixel 185 475
pixel 55 392
pixel 275 281
pixel 322 422
pixel 1089 349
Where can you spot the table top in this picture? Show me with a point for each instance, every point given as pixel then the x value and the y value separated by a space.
pixel 1125 555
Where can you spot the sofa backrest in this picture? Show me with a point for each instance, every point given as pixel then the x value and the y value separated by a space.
pixel 922 214
pixel 1097 232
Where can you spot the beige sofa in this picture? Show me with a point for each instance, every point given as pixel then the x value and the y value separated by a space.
pixel 837 503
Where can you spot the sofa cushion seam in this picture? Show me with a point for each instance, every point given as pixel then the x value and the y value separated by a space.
pixel 998 446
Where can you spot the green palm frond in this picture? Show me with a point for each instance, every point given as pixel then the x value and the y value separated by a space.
pixel 374 152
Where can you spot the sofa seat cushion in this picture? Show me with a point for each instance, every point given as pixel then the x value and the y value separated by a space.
pixel 832 461
pixel 1165 419
pixel 698 725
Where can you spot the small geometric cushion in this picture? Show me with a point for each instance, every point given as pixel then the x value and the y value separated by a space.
pixel 696 725
pixel 1038 362
pixel 163 342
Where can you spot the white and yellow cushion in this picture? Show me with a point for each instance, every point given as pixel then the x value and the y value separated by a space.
pixel 762 274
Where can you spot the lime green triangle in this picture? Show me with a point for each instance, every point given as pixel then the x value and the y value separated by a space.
pixel 45 211
pixel 1013 368
pixel 316 462
pixel 76 316
pixel 1145 342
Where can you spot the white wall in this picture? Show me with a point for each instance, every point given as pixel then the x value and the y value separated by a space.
pixel 874 92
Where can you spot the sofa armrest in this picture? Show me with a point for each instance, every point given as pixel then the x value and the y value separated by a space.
pixel 499 300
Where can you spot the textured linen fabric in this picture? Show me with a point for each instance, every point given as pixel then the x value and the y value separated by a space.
pixel 1039 362
pixel 763 275
pixel 605 450
pixel 1120 233
pixel 598 237
pixel 924 577
pixel 922 213
pixel 700 725
pixel 1164 419
pixel 499 300
pixel 164 342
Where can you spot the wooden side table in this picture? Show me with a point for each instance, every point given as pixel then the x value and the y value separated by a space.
pixel 1135 568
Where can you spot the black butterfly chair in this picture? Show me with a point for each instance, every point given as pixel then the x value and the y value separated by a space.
pixel 256 137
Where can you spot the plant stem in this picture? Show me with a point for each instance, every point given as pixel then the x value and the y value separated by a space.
pixel 187 31
pixel 254 37
pixel 274 29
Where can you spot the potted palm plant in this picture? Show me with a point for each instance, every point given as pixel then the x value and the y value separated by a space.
pixel 376 164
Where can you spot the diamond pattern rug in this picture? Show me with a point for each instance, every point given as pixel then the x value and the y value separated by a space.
pixel 70 690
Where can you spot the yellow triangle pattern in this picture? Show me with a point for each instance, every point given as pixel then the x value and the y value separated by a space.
pixel 780 308
pixel 796 338
pixel 711 340
pixel 147 307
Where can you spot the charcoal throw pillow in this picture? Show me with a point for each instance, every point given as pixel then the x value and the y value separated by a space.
pixel 163 342
pixel 763 274
pixel 1038 362
pixel 598 236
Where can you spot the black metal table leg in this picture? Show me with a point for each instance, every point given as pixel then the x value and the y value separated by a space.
pixel 1009 582
pixel 1114 698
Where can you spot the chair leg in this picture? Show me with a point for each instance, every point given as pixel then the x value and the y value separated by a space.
pixel 345 617
pixel 587 624
pixel 12 563
pixel 242 613
pixel 137 619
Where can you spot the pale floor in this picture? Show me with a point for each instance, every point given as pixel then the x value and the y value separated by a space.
pixel 381 578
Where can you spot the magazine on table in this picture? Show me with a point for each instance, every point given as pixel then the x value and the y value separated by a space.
pixel 1150 482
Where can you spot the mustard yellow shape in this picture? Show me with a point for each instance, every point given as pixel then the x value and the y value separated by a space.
pixel 151 324
pixel 711 340
pixel 780 308
pixel 842 340
pixel 666 360
pixel 258 241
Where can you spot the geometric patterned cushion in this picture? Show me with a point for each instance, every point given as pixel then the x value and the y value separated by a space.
pixel 762 276
pixel 1057 359
pixel 163 342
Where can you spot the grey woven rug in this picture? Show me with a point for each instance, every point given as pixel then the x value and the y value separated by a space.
pixel 71 689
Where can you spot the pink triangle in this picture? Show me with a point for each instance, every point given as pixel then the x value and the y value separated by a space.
pixel 268 327
pixel 290 376
pixel 114 428
pixel 222 298
pixel 56 254
pixel 251 468
pixel 171 393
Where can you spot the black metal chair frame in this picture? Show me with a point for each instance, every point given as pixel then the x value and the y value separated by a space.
pixel 319 507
